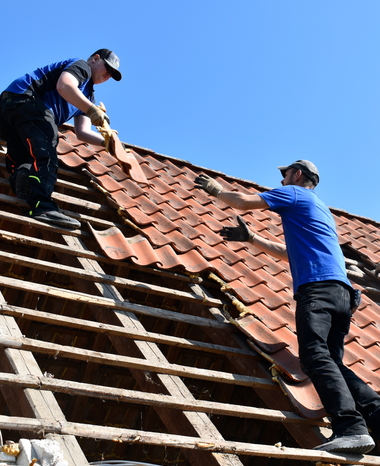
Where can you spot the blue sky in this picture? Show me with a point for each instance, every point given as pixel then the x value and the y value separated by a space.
pixel 237 86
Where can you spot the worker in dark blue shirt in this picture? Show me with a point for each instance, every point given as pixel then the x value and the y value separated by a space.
pixel 31 109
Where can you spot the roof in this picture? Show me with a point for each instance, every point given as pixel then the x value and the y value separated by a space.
pixel 149 244
pixel 177 226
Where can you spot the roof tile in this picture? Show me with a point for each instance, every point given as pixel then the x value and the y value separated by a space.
pixel 94 167
pixel 64 147
pixel 272 299
pixel 123 199
pixel 259 333
pixel 272 319
pixel 72 159
pixel 226 272
pixel 109 183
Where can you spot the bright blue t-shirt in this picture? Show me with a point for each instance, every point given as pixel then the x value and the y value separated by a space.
pixel 42 83
pixel 310 235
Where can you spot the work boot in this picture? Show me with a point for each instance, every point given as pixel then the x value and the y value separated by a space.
pixel 56 218
pixel 348 443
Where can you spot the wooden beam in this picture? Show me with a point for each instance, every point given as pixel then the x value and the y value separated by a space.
pixel 119 435
pixel 76 353
pixel 85 253
pixel 91 326
pixel 76 296
pixel 122 395
pixel 109 279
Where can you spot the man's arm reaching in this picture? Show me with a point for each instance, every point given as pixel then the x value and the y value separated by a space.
pixel 243 233
pixel 243 202
pixel 231 198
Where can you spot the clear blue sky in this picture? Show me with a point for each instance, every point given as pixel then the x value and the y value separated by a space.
pixel 238 86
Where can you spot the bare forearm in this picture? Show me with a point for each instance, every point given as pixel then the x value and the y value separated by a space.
pixel 242 201
pixel 82 125
pixel 91 138
pixel 277 250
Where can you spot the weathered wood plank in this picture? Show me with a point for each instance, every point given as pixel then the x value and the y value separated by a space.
pixel 179 441
pixel 123 395
pixel 109 279
pixel 76 296
pixel 72 322
pixel 70 352
pixel 16 238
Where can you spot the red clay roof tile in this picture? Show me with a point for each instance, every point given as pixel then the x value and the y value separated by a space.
pixel 94 167
pixel 226 272
pixel 72 160
pixel 263 337
pixel 161 187
pixel 304 398
pixel 155 236
pixel 133 189
pixel 171 214
pixel 272 319
pixel 180 242
pixel 65 147
pixel 109 183
pixel 123 199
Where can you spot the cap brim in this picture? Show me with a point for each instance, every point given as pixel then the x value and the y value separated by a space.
pixel 116 75
pixel 283 170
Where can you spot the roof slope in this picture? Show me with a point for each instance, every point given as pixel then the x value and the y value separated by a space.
pixel 117 338
pixel 177 227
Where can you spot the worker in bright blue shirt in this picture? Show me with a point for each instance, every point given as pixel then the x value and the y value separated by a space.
pixel 31 109
pixel 324 296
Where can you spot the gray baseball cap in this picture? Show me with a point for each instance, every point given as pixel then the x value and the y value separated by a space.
pixel 307 168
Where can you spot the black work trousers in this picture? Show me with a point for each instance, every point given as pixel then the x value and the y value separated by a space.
pixel 32 137
pixel 323 315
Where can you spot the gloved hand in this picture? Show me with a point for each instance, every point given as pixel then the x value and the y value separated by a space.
pixel 239 233
pixel 97 116
pixel 208 184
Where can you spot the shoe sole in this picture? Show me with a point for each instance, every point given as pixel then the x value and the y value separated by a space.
pixel 58 223
pixel 358 450
pixel 362 449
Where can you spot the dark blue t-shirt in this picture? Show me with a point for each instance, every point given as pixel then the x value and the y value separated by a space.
pixel 42 83
pixel 310 235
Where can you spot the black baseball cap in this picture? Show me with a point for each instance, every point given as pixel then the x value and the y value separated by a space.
pixel 112 61
pixel 307 168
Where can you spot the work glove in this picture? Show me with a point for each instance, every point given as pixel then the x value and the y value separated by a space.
pixel 239 233
pixel 97 115
pixel 208 184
